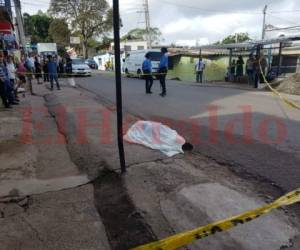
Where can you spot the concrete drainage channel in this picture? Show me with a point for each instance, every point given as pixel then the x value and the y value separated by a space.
pixel 125 226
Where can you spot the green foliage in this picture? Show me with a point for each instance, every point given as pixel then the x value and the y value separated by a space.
pixel 141 34
pixel 238 37
pixel 59 32
pixel 89 17
pixel 36 26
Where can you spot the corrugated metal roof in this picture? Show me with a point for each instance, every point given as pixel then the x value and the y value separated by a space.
pixel 252 43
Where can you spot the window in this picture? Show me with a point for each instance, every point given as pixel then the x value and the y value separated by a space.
pixel 127 48
pixel 77 61
pixel 140 47
pixel 155 56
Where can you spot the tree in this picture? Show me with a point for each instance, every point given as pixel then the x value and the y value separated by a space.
pixel 59 32
pixel 105 43
pixel 90 18
pixel 36 26
pixel 141 34
pixel 238 37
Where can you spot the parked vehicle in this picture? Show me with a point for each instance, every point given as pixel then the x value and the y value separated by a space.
pixel 91 63
pixel 47 49
pixel 80 68
pixel 134 60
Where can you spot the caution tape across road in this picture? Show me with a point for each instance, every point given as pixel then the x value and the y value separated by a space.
pixel 185 238
pixel 288 102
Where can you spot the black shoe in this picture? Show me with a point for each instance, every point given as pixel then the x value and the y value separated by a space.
pixel 8 107
pixel 15 103
pixel 162 94
pixel 58 89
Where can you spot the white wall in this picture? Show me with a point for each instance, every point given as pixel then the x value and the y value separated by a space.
pixel 134 45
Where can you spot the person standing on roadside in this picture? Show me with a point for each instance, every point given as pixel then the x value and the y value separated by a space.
pixel 232 71
pixel 8 88
pixel 3 94
pixel 29 65
pixel 11 68
pixel 147 70
pixel 163 70
pixel 52 69
pixel 21 71
pixel 239 69
pixel 199 68
pixel 38 70
pixel 250 69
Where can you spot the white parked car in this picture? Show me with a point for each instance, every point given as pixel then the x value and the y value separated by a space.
pixel 79 67
pixel 134 61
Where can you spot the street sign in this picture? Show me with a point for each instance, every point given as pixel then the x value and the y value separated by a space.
pixel 74 40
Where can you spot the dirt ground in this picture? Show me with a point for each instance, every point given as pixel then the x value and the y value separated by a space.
pixel 291 85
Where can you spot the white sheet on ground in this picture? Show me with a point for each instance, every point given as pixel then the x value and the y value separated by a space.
pixel 156 136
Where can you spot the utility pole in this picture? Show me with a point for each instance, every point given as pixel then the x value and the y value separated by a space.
pixel 264 22
pixel 116 24
pixel 20 24
pixel 147 22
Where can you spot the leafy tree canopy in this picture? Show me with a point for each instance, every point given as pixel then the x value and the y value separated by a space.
pixel 59 32
pixel 36 26
pixel 238 37
pixel 141 34
pixel 90 18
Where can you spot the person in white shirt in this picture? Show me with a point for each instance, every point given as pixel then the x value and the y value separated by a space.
pixel 199 68
pixel 11 69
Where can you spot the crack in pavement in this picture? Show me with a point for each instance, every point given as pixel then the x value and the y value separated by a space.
pixel 33 229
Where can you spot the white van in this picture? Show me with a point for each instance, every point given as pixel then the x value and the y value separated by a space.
pixel 134 61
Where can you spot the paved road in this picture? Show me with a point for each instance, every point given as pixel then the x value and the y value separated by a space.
pixel 236 114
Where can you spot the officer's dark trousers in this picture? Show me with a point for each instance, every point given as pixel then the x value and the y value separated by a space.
pixel 149 80
pixel 162 78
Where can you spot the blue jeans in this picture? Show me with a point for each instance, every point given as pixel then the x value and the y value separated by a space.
pixel 53 77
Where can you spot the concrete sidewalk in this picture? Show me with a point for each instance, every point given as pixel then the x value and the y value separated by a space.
pixel 46 202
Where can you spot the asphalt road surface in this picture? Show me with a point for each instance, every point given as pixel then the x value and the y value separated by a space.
pixel 253 131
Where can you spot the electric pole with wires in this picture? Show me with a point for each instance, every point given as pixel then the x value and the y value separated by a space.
pixel 147 23
pixel 264 22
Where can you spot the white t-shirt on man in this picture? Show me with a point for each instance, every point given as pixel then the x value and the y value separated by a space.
pixel 200 66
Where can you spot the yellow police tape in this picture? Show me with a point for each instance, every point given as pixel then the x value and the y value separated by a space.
pixel 284 99
pixel 185 238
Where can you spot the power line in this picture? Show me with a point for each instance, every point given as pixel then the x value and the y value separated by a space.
pixel 219 11
pixel 283 19
pixel 284 11
pixel 207 10
pixel 34 4
pixel 285 28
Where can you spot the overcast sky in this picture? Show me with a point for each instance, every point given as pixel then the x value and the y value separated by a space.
pixel 186 21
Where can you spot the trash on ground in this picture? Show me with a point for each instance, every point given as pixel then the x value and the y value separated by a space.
pixel 157 136
pixel 72 82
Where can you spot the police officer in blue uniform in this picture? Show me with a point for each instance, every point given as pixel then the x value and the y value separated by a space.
pixel 163 70
pixel 147 70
